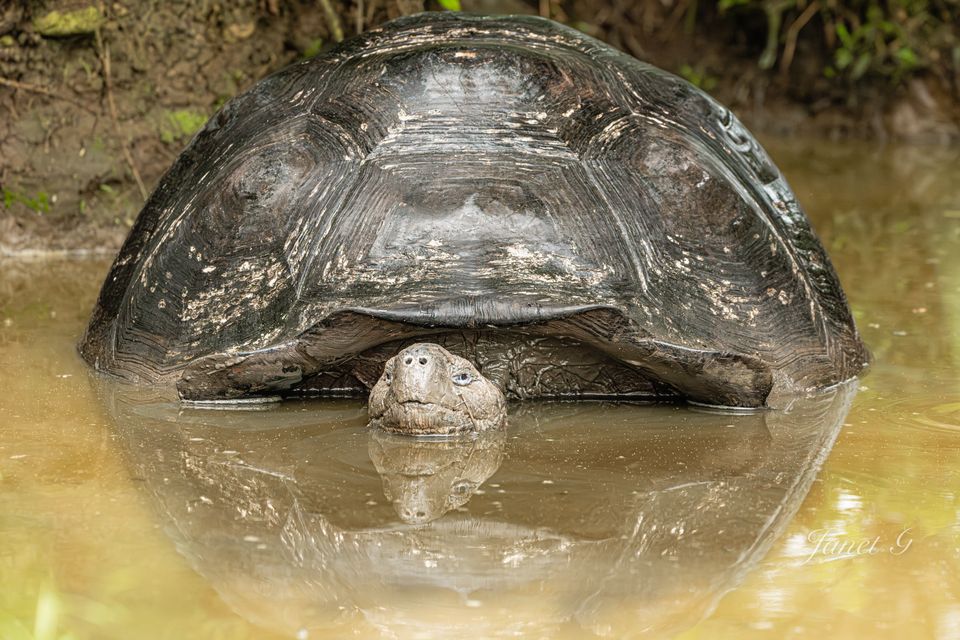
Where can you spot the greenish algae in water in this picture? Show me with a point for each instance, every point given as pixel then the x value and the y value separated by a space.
pixel 123 515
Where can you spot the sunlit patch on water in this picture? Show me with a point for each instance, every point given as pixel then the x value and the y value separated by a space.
pixel 123 514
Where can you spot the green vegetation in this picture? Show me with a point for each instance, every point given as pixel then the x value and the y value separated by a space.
pixel 313 48
pixel 107 189
pixel 181 124
pixel 698 77
pixel 450 5
pixel 69 23
pixel 38 204
pixel 887 39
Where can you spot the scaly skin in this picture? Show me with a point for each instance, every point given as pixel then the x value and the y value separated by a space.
pixel 426 390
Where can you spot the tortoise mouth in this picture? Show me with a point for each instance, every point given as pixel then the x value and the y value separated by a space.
pixel 419 418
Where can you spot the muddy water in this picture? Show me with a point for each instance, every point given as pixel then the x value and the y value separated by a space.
pixel 123 515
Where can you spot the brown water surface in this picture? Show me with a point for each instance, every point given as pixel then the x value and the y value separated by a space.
pixel 125 515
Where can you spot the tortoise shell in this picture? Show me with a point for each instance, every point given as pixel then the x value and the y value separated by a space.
pixel 485 181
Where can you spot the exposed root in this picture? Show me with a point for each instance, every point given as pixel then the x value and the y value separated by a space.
pixel 103 52
pixel 793 31
pixel 32 88
pixel 333 20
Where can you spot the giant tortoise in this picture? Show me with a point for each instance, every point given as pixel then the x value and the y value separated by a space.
pixel 513 207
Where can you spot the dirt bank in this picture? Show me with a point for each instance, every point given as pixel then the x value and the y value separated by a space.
pixel 96 100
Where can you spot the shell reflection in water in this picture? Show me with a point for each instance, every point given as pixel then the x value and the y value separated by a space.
pixel 617 520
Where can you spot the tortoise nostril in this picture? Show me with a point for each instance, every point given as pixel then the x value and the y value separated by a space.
pixel 423 360
pixel 408 360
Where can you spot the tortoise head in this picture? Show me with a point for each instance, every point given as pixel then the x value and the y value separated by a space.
pixel 426 390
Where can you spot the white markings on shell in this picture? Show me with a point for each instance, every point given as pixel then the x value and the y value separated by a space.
pixel 394 146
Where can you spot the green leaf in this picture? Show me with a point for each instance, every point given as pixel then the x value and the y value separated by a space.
pixel 843 58
pixel 861 66
pixel 314 47
pixel 729 4
pixel 844 35
pixel 907 57
pixel 450 5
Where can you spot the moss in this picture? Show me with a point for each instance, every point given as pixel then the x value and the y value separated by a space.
pixel 69 23
pixel 38 204
pixel 7 41
pixel 180 124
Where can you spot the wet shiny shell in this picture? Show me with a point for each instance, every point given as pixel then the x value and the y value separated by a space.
pixel 473 171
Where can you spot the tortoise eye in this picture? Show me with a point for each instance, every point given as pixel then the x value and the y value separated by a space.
pixel 462 378
pixel 462 488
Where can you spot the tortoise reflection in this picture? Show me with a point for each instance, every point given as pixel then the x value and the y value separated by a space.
pixel 621 521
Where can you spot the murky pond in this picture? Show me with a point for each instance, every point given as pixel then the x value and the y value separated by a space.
pixel 124 515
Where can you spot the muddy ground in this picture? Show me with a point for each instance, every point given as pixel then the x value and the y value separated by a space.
pixel 97 99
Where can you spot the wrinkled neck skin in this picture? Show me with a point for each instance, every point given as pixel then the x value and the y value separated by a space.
pixel 427 391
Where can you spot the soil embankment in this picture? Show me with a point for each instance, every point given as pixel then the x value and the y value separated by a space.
pixel 96 100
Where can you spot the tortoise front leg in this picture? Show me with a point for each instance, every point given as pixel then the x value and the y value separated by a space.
pixel 701 376
pixel 330 345
pixel 226 376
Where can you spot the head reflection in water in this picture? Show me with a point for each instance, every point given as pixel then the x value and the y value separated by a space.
pixel 424 479
pixel 615 521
